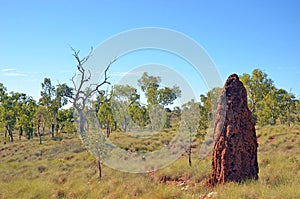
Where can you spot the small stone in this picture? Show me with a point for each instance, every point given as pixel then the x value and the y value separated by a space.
pixel 211 195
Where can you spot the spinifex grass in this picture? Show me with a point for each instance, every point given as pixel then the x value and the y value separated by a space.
pixel 64 169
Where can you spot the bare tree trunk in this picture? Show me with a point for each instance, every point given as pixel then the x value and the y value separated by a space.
pixel 5 135
pixel 61 128
pixel 81 121
pixel 190 148
pixel 10 133
pixel 43 129
pixel 39 133
pixel 52 130
pixel 99 168
pixel 125 125
pixel 20 132
pixel 108 128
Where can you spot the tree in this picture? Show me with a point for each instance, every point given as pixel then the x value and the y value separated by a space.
pixel 208 108
pixel 286 104
pixel 268 110
pixel 150 85
pixel 139 114
pixel 175 117
pixel 25 108
pixel 277 104
pixel 123 96
pixel 167 95
pixel 104 112
pixel 58 102
pixel 18 102
pixel 297 110
pixel 96 143
pixel 47 100
pixel 7 115
pixel 190 122
pixel 163 96
pixel 40 119
pixel 65 121
pixel 157 99
pixel 80 96
pixel 257 85
pixel 84 90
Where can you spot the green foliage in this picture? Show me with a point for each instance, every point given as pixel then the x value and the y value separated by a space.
pixel 267 103
pixel 150 85
pixel 257 85
pixel 123 96
pixel 65 121
pixel 139 115
pixel 104 112
pixel 157 98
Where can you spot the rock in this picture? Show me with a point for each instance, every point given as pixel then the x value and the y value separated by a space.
pixel 235 143
pixel 211 195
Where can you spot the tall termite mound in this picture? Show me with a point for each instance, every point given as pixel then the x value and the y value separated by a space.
pixel 235 148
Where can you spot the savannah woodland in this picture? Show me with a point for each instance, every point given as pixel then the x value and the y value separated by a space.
pixel 51 150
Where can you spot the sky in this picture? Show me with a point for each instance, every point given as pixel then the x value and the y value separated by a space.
pixel 238 36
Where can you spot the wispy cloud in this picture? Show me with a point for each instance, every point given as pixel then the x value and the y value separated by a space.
pixel 14 74
pixel 122 74
pixel 8 69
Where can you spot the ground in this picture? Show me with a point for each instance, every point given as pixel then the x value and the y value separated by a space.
pixel 62 168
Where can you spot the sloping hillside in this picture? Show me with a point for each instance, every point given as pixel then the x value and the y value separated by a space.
pixel 64 169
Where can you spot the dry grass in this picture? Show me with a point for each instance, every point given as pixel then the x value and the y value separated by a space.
pixel 64 169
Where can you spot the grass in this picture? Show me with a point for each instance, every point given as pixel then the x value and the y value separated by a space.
pixel 64 169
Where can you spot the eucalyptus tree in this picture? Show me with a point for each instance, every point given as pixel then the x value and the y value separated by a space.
pixel 40 120
pixel 190 117
pixel 104 111
pixel 276 105
pixel 139 114
pixel 297 110
pixel 53 98
pixel 47 101
pixel 158 98
pixel 65 121
pixel 258 85
pixel 156 94
pixel 123 96
pixel 7 115
pixel 25 108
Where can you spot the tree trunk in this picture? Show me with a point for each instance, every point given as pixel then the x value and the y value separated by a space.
pixel 125 125
pixel 99 168
pixel 108 128
pixel 81 121
pixel 52 130
pixel 5 135
pixel 39 133
pixel 57 129
pixel 20 132
pixel 10 133
pixel 61 128
pixel 190 149
pixel 43 130
pixel 190 158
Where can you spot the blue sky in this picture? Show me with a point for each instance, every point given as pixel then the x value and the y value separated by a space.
pixel 238 35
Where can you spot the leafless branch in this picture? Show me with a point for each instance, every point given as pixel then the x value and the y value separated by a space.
pixel 80 96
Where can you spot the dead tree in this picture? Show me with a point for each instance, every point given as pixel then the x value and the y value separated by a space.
pixel 84 89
